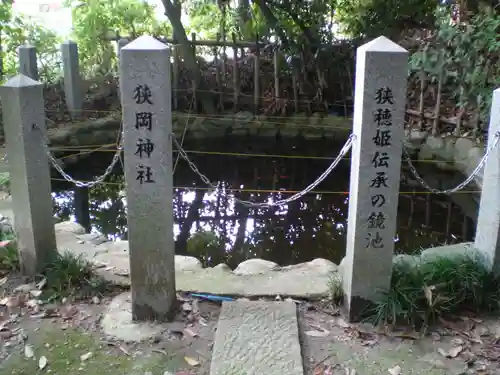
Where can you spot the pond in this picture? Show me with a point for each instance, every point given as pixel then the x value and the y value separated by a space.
pixel 211 227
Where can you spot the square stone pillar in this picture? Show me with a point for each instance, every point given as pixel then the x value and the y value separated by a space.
pixel 147 120
pixel 24 123
pixel 378 125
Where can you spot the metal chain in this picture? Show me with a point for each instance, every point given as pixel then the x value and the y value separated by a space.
pixel 67 177
pixel 206 180
pixel 459 186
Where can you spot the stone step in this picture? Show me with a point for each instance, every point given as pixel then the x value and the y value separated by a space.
pixel 257 338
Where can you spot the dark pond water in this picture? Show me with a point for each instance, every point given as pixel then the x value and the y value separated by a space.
pixel 312 227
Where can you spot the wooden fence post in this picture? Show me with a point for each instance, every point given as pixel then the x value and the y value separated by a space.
pixel 256 76
pixel 194 99
pixel 236 76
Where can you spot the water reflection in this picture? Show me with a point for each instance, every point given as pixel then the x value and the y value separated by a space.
pixel 210 226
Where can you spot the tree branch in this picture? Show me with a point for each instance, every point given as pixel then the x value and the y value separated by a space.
pixel 272 20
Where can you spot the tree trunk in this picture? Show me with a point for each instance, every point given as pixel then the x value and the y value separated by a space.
pixel 192 215
pixel 173 12
pixel 244 211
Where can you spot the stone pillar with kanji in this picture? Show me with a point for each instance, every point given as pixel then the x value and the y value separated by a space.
pixel 378 126
pixel 145 86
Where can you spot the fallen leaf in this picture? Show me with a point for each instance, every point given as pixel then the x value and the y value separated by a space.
pixel 396 370
pixel 196 308
pixel 15 301
pixel 160 351
pixel 41 284
pixel 42 362
pixel 35 293
pixel 5 243
pixel 203 321
pixel 323 370
pixel 369 342
pixel 411 335
pixel 428 294
pixel 32 303
pixel 123 350
pixel 457 341
pixel 6 334
pixel 28 351
pixel 191 361
pixel 85 356
pixel 41 315
pixel 341 322
pixel 190 332
pixel 68 311
pixel 452 353
pixel 319 333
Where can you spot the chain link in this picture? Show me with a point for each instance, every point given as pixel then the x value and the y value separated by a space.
pixel 459 186
pixel 67 177
pixel 206 180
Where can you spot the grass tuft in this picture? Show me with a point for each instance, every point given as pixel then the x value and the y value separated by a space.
pixel 69 274
pixel 335 287
pixel 423 292
pixel 9 256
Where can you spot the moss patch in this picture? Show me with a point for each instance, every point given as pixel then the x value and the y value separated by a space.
pixel 63 349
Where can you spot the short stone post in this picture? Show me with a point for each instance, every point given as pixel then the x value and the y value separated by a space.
pixel 487 239
pixel 121 43
pixel 27 61
pixel 24 124
pixel 378 124
pixel 72 78
pixel 147 121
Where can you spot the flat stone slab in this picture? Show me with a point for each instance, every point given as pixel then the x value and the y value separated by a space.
pixel 257 338
pixel 253 278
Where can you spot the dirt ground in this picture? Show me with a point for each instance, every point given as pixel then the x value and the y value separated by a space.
pixel 66 339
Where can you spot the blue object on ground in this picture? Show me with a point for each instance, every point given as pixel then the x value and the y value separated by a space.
pixel 212 297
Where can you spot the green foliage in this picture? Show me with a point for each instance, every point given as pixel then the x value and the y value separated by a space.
pixel 205 18
pixel 9 256
pixel 95 21
pixel 5 182
pixel 17 31
pixel 207 247
pixel 372 18
pixel 421 293
pixel 467 54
